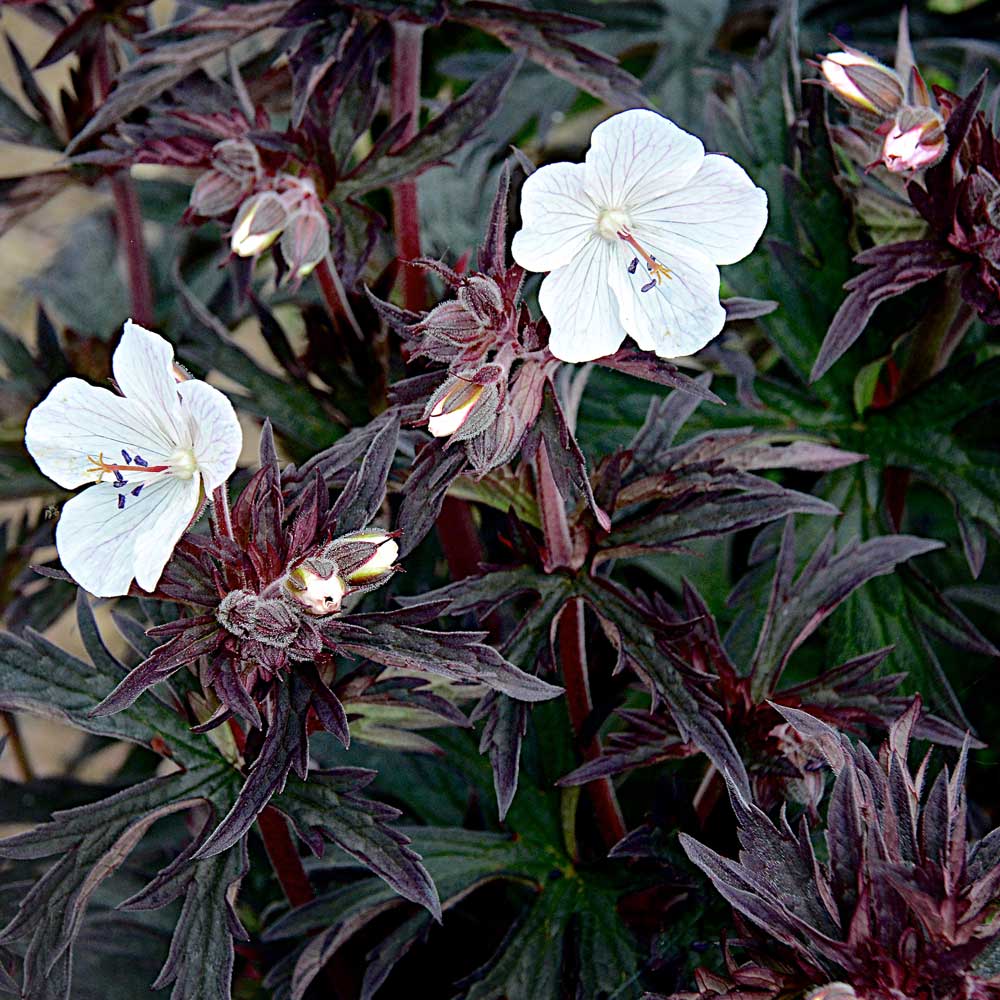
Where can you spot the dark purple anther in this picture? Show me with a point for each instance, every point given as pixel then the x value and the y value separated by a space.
pixel 140 461
pixel 633 265
pixel 138 489
pixel 127 457
pixel 120 480
pixel 121 501
pixel 649 284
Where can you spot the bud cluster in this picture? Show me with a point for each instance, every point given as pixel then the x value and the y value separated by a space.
pixel 496 368
pixel 268 207
pixel 899 115
pixel 351 564
pixel 267 631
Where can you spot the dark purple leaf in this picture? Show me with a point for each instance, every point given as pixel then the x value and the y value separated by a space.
pixel 285 747
pixel 798 606
pixel 329 806
pixel 891 270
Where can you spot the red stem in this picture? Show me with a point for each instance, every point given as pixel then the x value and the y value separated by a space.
pixel 573 648
pixel 404 98
pixel 220 506
pixel 573 658
pixel 128 214
pixel 284 857
pixel 128 222
pixel 463 548
pixel 17 746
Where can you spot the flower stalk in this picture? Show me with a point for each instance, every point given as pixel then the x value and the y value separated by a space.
pixel 573 649
pixel 404 98
pixel 940 329
pixel 128 214
pixel 17 746
pixel 284 857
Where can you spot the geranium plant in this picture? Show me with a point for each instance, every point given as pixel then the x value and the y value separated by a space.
pixel 458 448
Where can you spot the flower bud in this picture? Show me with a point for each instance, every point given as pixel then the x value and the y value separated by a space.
pixel 367 557
pixel 465 404
pixel 497 444
pixel 215 193
pixel 863 82
pixel 482 297
pixel 258 224
pixel 453 409
pixel 317 586
pixel 305 241
pixel 237 158
pixel 915 141
pixel 833 991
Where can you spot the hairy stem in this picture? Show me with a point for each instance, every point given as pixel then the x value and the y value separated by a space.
pixel 220 509
pixel 128 214
pixel 17 746
pixel 555 527
pixel 573 649
pixel 404 96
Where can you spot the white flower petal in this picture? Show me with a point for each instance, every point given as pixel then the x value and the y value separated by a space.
pixel 581 309
pixel 681 314
pixel 143 365
pixel 637 156
pixel 557 217
pixel 104 548
pixel 78 420
pixel 720 212
pixel 214 430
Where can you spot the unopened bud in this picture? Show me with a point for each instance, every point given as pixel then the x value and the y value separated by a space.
pixel 216 193
pixel 863 82
pixel 237 158
pixel 465 404
pixel 317 586
pixel 249 616
pixel 915 141
pixel 833 991
pixel 259 224
pixel 305 241
pixel 482 297
pixel 367 556
pixel 453 409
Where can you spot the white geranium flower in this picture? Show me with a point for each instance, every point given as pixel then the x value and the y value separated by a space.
pixel 633 236
pixel 150 453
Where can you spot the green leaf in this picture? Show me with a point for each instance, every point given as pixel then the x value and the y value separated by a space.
pixel 531 962
pixel 93 840
pixel 16 125
pixel 200 961
pixel 920 434
pixel 865 383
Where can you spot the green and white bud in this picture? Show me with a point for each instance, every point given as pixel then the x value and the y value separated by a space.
pixel 317 586
pixel 258 224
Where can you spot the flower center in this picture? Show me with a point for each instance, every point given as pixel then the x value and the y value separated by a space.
pixel 611 221
pixel 183 464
